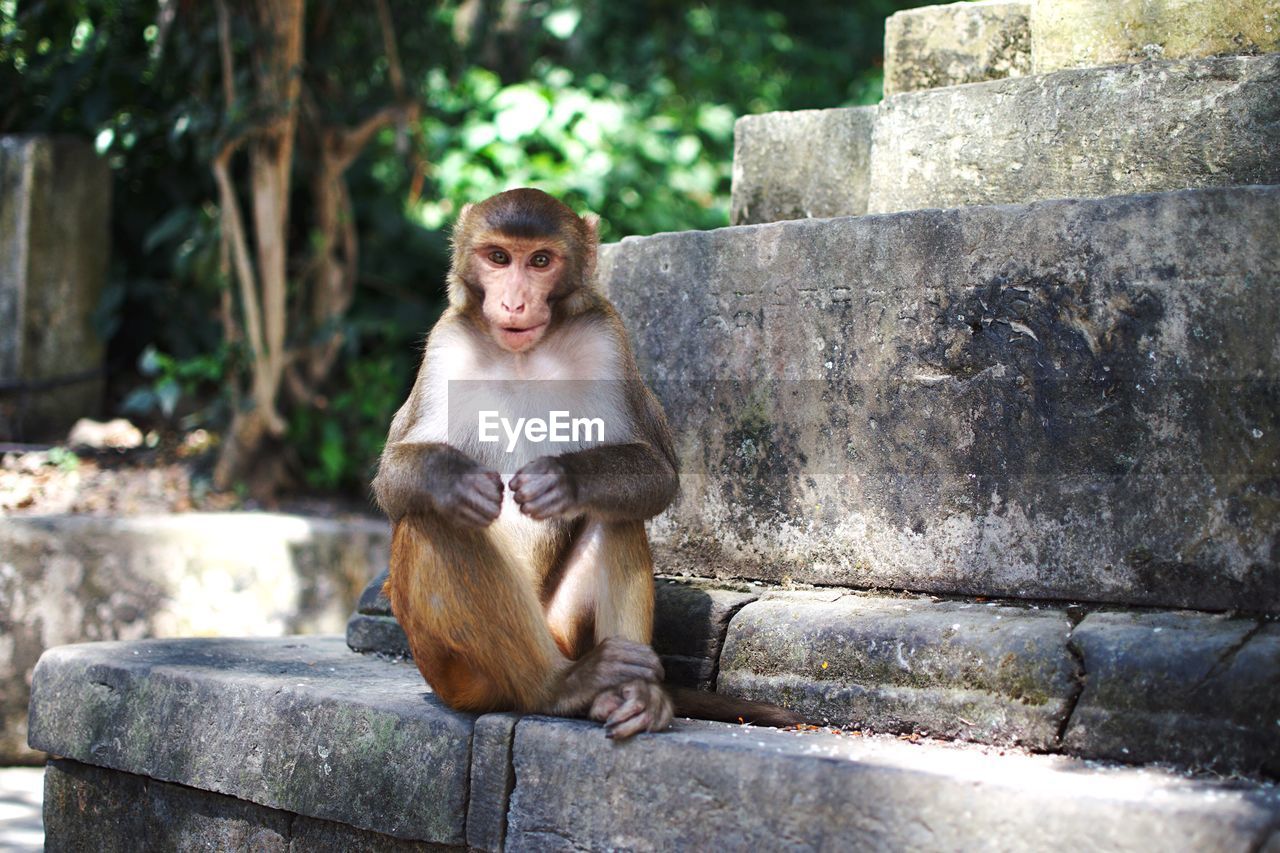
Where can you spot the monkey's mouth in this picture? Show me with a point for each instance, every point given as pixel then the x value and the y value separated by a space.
pixel 517 338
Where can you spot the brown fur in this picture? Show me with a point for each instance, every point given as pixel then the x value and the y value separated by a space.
pixel 559 622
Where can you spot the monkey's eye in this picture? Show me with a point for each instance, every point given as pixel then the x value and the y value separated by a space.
pixel 541 259
pixel 500 257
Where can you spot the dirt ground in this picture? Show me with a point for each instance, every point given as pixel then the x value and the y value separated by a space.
pixel 173 476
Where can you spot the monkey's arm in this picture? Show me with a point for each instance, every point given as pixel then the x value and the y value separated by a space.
pixel 417 477
pixel 629 481
pixel 621 482
pixel 614 482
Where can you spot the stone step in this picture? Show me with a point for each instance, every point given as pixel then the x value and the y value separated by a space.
pixel 935 46
pixel 1195 689
pixel 1085 33
pixel 1063 400
pixel 223 743
pixel 1090 133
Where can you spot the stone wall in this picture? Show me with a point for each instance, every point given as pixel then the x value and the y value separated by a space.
pixel 67 579
pixel 55 203
pixel 1067 400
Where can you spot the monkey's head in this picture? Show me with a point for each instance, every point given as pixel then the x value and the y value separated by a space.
pixel 519 259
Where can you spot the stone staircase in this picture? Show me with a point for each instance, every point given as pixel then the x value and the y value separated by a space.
pixel 979 425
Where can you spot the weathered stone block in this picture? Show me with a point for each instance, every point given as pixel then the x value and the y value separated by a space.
pixel 55 206
pixel 705 786
pixel 1187 687
pixel 89 808
pixel 1070 399
pixel 1080 134
pixel 1107 32
pixel 298 724
pixel 374 599
pixel 957 43
pixel 808 164
pixel 67 579
pixel 960 670
pixel 492 779
pixel 689 623
pixel 377 634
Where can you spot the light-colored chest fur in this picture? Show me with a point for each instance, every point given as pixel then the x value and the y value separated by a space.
pixel 577 370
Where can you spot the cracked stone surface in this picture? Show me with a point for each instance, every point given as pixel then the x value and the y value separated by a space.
pixel 956 43
pixel 738 788
pixel 492 779
pixel 1064 400
pixel 1080 134
pixel 991 674
pixel 1193 688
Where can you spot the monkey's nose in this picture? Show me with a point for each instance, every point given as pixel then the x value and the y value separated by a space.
pixel 516 310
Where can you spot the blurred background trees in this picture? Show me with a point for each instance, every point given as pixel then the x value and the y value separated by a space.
pixel 403 112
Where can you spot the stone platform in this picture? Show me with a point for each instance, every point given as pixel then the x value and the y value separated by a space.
pixel 270 742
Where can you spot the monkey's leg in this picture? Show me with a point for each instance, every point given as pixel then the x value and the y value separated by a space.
pixel 604 588
pixel 605 593
pixel 473 622
pixel 478 633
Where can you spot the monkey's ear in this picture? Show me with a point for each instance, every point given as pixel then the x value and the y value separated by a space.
pixel 590 250
pixel 463 215
pixel 593 226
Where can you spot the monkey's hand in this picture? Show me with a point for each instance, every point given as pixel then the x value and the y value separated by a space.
pixel 544 489
pixel 472 498
pixel 613 663
pixel 637 706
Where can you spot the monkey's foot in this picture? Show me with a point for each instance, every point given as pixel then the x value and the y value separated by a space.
pixel 637 706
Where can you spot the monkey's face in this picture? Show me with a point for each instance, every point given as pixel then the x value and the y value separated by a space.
pixel 518 278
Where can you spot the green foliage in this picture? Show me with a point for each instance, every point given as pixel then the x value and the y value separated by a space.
pixel 624 109
pixel 173 379
pixel 347 433
pixel 63 459
pixel 597 145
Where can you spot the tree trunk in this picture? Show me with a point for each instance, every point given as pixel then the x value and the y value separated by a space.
pixel 277 64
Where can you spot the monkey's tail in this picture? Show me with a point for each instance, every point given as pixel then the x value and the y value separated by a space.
pixel 703 705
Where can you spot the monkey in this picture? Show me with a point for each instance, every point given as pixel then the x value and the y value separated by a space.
pixel 530 588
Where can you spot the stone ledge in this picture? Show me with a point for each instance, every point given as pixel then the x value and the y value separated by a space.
pixel 991 674
pixel 285 723
pixel 1063 400
pixel 1186 687
pixel 1071 134
pixel 1079 134
pixel 1105 32
pixel 1195 689
pixel 712 786
pixel 304 727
